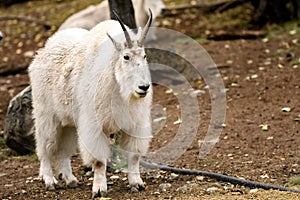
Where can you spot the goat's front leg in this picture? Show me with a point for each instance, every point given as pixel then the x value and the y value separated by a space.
pixel 135 181
pixel 99 184
pixel 46 173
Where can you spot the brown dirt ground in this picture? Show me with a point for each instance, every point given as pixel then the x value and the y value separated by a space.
pixel 262 78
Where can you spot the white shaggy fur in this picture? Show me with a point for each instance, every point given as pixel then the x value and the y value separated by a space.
pixel 94 14
pixel 84 88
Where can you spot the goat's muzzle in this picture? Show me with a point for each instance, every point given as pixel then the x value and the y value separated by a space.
pixel 142 90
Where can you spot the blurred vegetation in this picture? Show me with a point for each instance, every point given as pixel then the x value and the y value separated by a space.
pixel 23 36
pixel 293 182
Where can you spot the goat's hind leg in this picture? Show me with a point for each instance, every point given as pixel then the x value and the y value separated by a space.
pixel 45 137
pixel 67 144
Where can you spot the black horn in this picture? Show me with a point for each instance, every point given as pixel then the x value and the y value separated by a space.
pixel 146 29
pixel 128 40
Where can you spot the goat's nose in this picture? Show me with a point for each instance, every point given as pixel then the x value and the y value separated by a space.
pixel 144 87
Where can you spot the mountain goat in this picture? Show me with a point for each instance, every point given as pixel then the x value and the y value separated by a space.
pixel 87 85
pixel 92 15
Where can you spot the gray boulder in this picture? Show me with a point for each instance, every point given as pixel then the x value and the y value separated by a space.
pixel 19 129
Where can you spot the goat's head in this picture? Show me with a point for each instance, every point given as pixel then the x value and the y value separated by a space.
pixel 132 71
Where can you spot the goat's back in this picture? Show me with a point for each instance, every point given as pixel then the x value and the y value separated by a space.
pixel 54 70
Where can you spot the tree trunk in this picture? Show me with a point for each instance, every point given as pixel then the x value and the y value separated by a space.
pixel 125 10
pixel 275 11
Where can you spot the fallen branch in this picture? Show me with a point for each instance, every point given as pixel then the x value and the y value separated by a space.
pixel 12 70
pixel 26 19
pixel 246 34
pixel 218 7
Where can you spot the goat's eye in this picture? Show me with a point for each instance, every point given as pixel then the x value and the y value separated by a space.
pixel 126 57
pixel 145 56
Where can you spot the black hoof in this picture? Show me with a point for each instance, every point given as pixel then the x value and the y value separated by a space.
pixel 99 194
pixel 137 188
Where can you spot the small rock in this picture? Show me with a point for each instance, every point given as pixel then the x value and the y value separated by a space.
pixel 254 76
pixel 199 178
pixel 169 91
pixel 224 90
pixel 2 174
pixel 249 62
pixel 254 190
pixel 157 176
pixel 248 121
pixel 37 179
pixel 234 84
pixel 264 176
pixel 159 119
pixel 197 93
pixel 164 186
pixel 110 182
pixel 286 109
pixel 114 177
pixel 229 62
pixel 89 173
pixel 29 54
pixel 292 32
pixel 228 187
pixel 177 122
pixel 173 175
pixel 193 185
pixel 280 66
pixel 182 189
pixel 212 189
pixel 24 191
pixel 237 192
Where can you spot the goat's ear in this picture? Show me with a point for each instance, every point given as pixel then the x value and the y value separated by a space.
pixel 116 45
